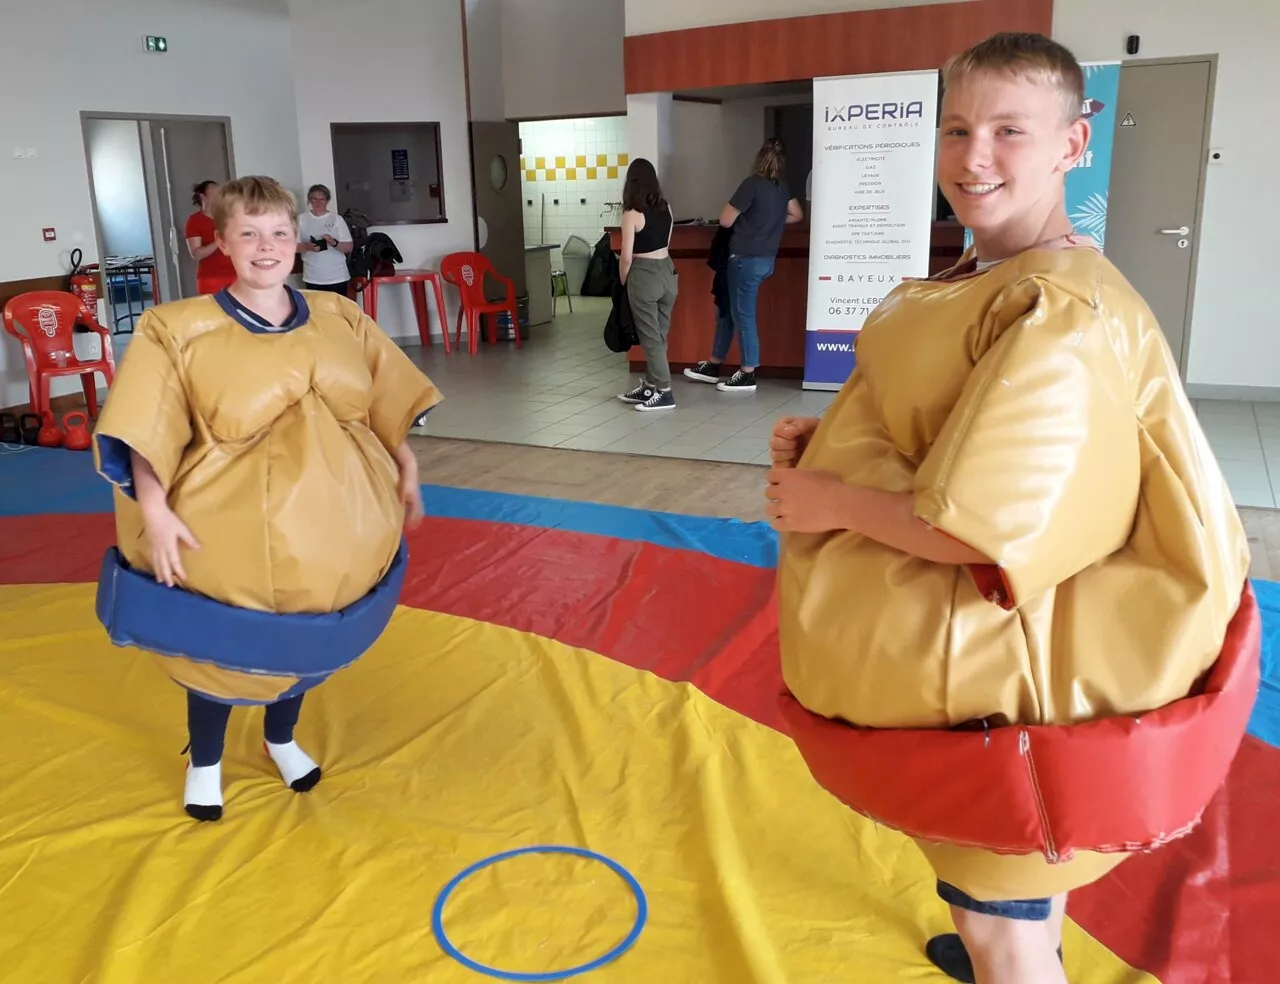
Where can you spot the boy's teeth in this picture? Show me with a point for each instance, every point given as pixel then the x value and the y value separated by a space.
pixel 979 189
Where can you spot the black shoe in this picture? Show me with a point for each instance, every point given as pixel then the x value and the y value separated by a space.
pixel 659 400
pixel 203 812
pixel 638 395
pixel 739 382
pixel 948 954
pixel 704 372
pixel 307 782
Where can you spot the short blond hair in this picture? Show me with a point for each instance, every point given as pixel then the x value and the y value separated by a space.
pixel 254 195
pixel 1032 57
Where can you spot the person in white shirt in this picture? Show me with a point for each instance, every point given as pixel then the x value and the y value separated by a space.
pixel 324 242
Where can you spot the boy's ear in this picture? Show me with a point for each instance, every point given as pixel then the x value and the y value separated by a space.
pixel 1078 135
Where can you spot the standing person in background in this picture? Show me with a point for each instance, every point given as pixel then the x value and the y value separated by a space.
pixel 324 242
pixel 650 278
pixel 758 211
pixel 214 271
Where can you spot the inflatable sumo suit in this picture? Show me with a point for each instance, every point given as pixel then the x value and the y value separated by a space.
pixel 275 447
pixel 1032 722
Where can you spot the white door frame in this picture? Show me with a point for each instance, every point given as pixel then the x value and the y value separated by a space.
pixel 1198 219
pixel 172 292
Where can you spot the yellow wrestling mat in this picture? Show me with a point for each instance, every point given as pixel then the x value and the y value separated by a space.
pixel 451 741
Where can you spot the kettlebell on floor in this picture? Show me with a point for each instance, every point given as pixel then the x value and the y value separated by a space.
pixel 77 438
pixel 50 435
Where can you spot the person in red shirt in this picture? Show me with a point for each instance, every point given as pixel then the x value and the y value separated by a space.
pixel 214 271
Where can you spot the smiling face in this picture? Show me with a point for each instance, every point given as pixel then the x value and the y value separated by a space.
pixel 319 202
pixel 261 247
pixel 1006 148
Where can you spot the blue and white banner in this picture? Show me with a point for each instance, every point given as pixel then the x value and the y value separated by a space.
pixel 872 208
pixel 1089 182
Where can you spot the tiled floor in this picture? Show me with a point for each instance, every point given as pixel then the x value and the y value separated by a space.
pixel 1246 439
pixel 561 391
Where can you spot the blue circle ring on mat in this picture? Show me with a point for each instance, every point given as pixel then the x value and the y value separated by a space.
pixel 642 915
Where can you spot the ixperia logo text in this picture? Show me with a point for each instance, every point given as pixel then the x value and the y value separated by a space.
pixel 878 112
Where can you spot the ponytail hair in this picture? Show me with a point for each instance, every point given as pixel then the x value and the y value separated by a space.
pixel 199 190
pixel 771 162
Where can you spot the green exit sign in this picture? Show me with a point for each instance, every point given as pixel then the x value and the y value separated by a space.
pixel 156 44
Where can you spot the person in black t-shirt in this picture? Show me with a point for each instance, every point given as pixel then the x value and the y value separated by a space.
pixel 758 211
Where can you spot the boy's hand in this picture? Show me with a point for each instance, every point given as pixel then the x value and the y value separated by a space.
pixel 166 534
pixel 410 488
pixel 803 501
pixel 790 438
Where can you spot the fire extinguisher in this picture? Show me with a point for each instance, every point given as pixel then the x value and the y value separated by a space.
pixel 84 282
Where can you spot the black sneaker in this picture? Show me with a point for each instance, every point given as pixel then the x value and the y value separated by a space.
pixel 659 400
pixel 704 372
pixel 739 382
pixel 637 395
pixel 948 954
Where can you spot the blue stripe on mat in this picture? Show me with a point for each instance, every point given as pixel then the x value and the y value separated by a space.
pixel 728 539
pixel 37 481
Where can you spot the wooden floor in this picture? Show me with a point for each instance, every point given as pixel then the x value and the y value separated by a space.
pixel 697 488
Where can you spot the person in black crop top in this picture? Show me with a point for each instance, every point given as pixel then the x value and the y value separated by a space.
pixel 649 277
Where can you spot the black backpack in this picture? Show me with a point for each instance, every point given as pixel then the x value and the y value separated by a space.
pixel 372 254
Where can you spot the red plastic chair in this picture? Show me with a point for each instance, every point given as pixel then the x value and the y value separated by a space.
pixel 43 321
pixel 467 272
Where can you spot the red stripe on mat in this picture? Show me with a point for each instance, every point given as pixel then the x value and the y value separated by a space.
pixel 1195 912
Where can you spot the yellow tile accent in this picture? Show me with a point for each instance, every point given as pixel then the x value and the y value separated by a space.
pixel 613 172
pixel 530 175
pixel 571 174
pixel 602 160
pixel 623 160
pixel 539 162
pixel 581 160
pixel 550 175
pixel 559 162
pixel 592 173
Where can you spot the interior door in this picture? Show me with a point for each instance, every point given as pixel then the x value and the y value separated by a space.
pixel 185 153
pixel 1157 180
pixel 794 126
pixel 495 158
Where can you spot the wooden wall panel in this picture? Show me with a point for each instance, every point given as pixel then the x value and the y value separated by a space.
pixel 854 43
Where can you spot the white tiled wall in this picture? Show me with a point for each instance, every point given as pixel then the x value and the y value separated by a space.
pixel 570 152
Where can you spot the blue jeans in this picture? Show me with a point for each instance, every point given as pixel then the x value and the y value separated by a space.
pixel 1027 910
pixel 746 274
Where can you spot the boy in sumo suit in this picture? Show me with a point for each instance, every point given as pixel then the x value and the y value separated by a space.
pixel 256 439
pixel 1015 622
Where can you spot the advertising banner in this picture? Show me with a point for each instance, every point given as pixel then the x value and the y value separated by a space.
pixel 872 208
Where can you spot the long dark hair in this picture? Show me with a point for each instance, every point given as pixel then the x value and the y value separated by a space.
pixel 198 192
pixel 642 191
pixel 771 162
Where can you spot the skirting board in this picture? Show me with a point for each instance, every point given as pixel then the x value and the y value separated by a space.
pixel 1241 394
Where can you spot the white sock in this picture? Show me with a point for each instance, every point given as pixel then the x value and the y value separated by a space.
pixel 297 768
pixel 203 794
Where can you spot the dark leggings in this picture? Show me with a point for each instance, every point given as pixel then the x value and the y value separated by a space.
pixel 338 288
pixel 207 725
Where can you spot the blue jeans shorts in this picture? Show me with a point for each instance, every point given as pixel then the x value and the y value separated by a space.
pixel 1028 910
